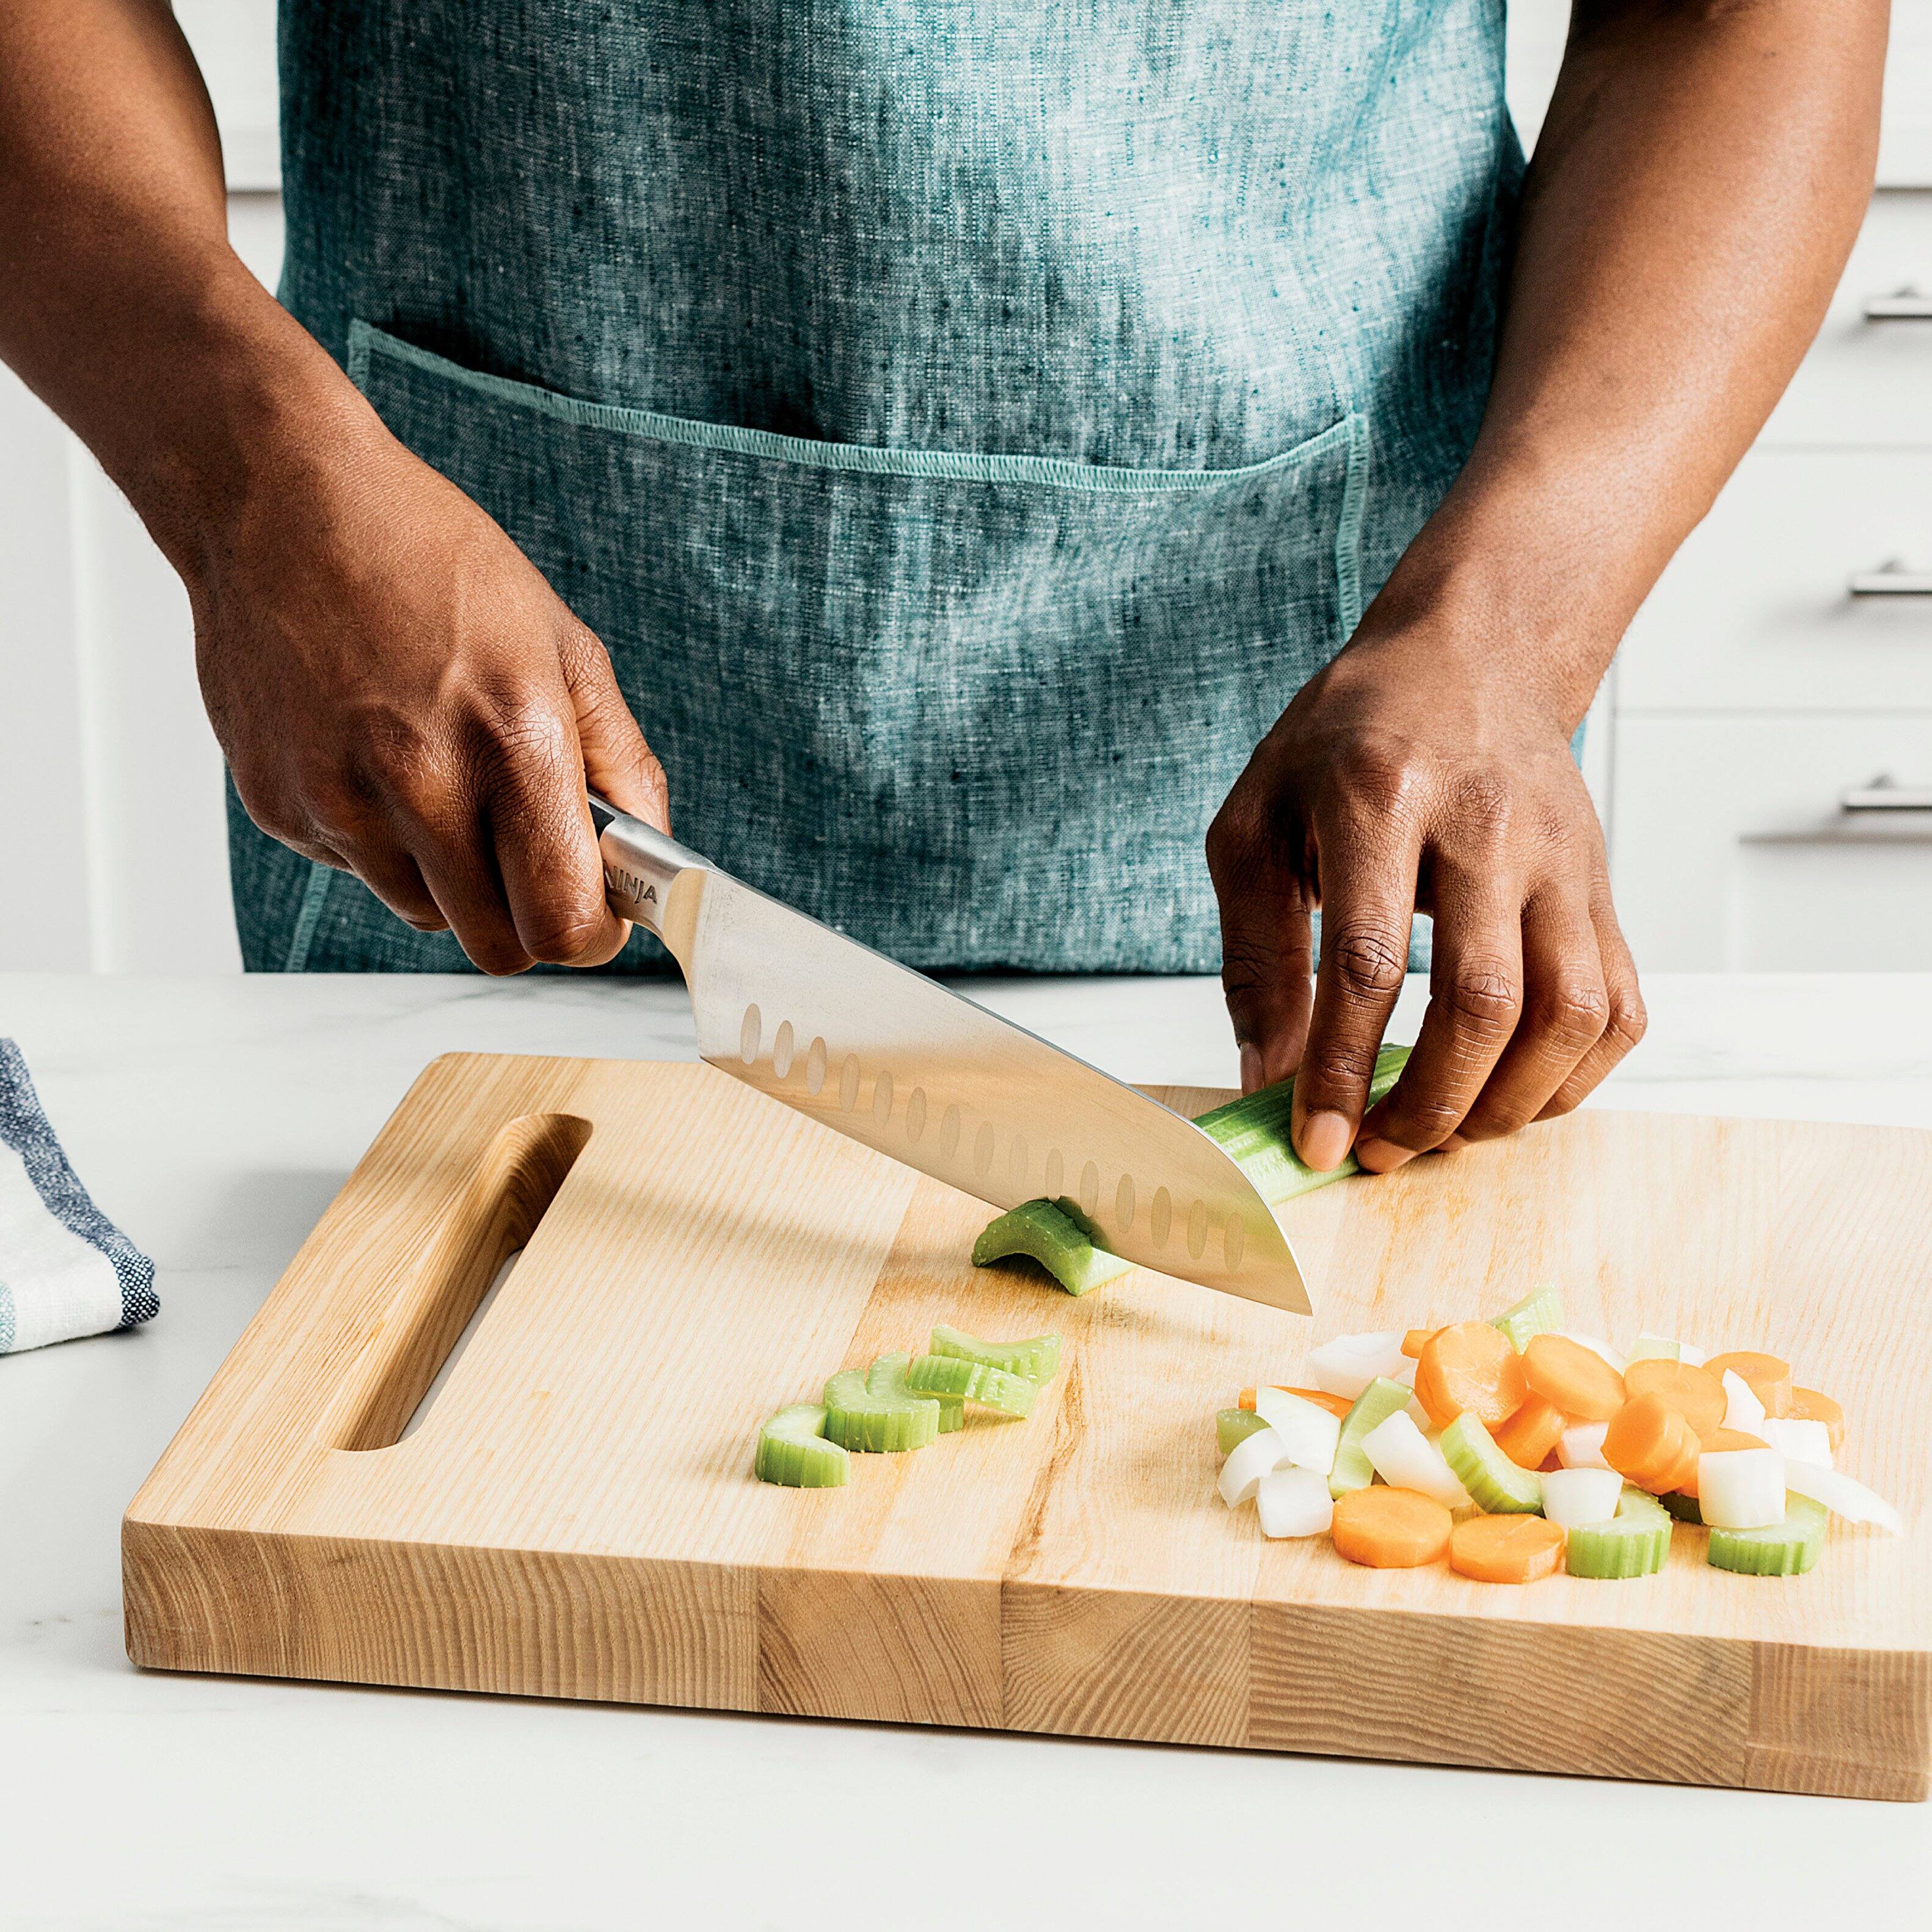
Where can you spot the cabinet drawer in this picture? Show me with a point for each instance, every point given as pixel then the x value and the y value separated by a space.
pixel 1731 851
pixel 1868 379
pixel 1757 610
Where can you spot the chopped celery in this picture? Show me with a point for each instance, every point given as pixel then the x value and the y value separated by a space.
pixel 1636 1542
pixel 1056 1235
pixel 1685 1509
pixel 793 1451
pixel 1376 1404
pixel 1233 1427
pixel 1255 1130
pixel 1495 1482
pixel 1786 1549
pixel 1537 1313
pixel 887 1378
pixel 856 1418
pixel 1036 1359
pixel 974 1381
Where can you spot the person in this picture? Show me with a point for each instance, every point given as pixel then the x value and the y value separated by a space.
pixel 987 450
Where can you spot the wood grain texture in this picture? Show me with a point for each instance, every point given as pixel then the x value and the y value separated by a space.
pixel 576 1516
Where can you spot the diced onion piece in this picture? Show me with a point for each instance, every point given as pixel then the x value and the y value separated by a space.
pixel 1841 1494
pixel 1405 1458
pixel 1573 1498
pixel 1741 1488
pixel 1800 1440
pixel 1347 1365
pixel 1691 1357
pixel 1309 1433
pixel 1597 1346
pixel 1647 1345
pixel 1248 1461
pixel 1582 1447
pixel 1743 1412
pixel 1294 1502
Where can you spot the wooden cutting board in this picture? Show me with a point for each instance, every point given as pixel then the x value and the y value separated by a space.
pixel 575 1514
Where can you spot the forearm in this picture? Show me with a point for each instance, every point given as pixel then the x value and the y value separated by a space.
pixel 123 305
pixel 1696 189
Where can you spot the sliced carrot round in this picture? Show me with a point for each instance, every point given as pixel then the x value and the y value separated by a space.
pixel 1472 1368
pixel 1505 1549
pixel 1531 1434
pixel 1336 1404
pixel 1415 1341
pixel 1651 1444
pixel 1696 1394
pixel 1769 1376
pixel 1808 1405
pixel 1390 1529
pixel 1576 1379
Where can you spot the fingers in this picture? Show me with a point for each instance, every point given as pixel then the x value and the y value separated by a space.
pixel 617 762
pixel 1566 1008
pixel 1368 874
pixel 1475 1000
pixel 1624 1018
pixel 1266 949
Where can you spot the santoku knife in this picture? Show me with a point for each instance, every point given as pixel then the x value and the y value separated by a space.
pixel 894 1060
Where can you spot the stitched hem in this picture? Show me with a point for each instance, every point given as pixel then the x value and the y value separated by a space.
pixel 366 341
pixel 1348 527
pixel 309 915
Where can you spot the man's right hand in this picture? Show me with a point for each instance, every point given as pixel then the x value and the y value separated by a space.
pixel 401 695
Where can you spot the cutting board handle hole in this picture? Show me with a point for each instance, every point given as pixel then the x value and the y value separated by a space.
pixel 495 1215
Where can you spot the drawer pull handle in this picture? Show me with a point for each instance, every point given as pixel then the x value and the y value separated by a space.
pixel 1885 793
pixel 1890 580
pixel 1905 304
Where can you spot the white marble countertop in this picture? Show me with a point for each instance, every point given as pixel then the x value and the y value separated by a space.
pixel 215 1119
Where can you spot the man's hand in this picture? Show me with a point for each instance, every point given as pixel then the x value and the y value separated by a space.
pixel 1399 779
pixel 401 695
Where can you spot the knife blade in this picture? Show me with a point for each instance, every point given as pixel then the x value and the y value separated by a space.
pixel 884 1055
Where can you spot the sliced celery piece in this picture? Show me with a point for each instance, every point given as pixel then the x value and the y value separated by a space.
pixel 1636 1542
pixel 856 1418
pixel 1233 1427
pixel 1056 1235
pixel 992 1388
pixel 1036 1359
pixel 1786 1549
pixel 1495 1482
pixel 1536 1313
pixel 793 1450
pixel 1255 1130
pixel 887 1378
pixel 1376 1404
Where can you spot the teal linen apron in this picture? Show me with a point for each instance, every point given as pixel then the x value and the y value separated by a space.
pixel 967 423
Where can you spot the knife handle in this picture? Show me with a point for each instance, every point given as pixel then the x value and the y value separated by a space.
pixel 641 866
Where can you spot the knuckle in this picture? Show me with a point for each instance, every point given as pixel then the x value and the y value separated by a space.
pixel 1422 1120
pixel 524 734
pixel 561 933
pixel 1336 1067
pixel 1387 777
pixel 1574 1016
pixel 1483 999
pixel 1628 1021
pixel 1368 963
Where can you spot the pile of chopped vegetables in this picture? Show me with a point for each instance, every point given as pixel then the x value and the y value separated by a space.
pixel 902 1401
pixel 1512 1448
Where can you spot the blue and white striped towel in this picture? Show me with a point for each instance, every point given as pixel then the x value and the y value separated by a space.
pixel 65 1269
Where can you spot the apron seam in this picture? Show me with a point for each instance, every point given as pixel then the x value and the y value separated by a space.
pixel 366 341
pixel 308 916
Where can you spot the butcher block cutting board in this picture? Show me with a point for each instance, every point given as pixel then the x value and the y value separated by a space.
pixel 574 1515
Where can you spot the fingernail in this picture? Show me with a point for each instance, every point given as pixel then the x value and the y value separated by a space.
pixel 1325 1140
pixel 1251 1067
pixel 1380 1157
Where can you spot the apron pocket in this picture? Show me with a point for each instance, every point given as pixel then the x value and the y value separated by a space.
pixel 976 710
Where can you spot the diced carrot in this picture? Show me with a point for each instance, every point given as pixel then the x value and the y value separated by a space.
pixel 1576 1379
pixel 1336 1404
pixel 1696 1394
pixel 1769 1377
pixel 1718 1442
pixel 1415 1341
pixel 1531 1434
pixel 1808 1405
pixel 1505 1549
pixel 1390 1529
pixel 1651 1444
pixel 1473 1367
pixel 1551 1461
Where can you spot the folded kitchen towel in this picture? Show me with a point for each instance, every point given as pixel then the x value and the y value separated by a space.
pixel 65 1269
